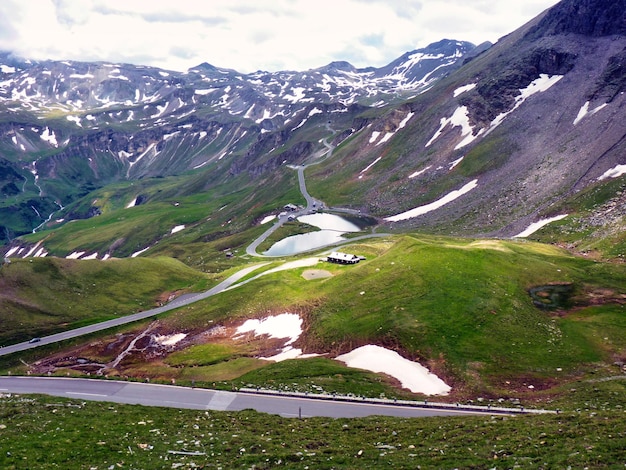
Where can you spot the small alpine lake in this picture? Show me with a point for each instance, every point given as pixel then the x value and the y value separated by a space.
pixel 332 228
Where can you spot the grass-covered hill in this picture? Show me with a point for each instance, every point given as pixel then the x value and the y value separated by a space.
pixel 41 296
pixel 493 318
pixel 596 223
pixel 499 320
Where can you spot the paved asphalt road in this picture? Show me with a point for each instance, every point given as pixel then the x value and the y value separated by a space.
pixel 180 397
pixel 179 302
pixel 203 399
pixel 311 203
pixel 190 298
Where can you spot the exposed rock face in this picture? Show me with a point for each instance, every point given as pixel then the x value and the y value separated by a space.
pixel 91 212
pixel 497 92
pixel 612 82
pixel 587 17
pixel 533 120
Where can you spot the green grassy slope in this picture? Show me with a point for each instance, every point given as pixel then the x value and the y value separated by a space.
pixel 466 305
pixel 44 433
pixel 39 296
pixel 461 307
pixel 212 217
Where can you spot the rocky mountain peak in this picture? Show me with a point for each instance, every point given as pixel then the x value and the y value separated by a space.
pixel 205 66
pixel 129 121
pixel 338 65
pixel 510 133
pixel 587 17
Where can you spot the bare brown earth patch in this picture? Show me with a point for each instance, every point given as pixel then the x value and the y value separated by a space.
pixel 311 274
pixel 565 298
pixel 166 297
pixel 142 353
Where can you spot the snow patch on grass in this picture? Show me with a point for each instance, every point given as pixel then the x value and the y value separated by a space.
pixel 386 137
pixel 419 172
pixel 284 326
pixel 368 167
pixel 169 340
pixel 137 253
pixel 374 137
pixel 412 375
pixel 532 228
pixel 405 120
pixel 456 162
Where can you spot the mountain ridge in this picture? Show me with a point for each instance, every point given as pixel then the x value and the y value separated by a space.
pixel 494 138
pixel 124 119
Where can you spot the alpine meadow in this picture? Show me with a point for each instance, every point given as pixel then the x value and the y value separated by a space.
pixel 420 265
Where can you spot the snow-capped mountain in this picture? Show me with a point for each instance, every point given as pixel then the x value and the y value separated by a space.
pixel 508 138
pixel 88 124
pixel 453 138
pixel 89 92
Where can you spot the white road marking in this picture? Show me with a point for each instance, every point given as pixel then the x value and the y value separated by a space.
pixel 87 394
pixel 221 400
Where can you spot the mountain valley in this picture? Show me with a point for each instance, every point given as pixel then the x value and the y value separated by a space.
pixel 487 184
pixel 475 197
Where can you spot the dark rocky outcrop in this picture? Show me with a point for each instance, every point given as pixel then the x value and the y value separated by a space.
pixel 497 90
pixel 91 212
pixel 587 17
pixel 612 82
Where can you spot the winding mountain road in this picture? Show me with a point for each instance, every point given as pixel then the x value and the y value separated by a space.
pixel 203 399
pixel 311 205
pixel 177 303
pixel 182 397
pixel 286 405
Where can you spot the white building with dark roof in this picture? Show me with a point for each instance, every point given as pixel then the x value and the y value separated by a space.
pixel 342 258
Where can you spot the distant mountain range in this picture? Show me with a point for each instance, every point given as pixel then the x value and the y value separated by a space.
pixel 88 124
pixel 452 138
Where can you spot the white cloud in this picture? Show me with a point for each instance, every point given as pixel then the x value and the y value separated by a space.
pixel 249 35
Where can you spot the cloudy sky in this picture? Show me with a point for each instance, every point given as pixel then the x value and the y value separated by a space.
pixel 250 35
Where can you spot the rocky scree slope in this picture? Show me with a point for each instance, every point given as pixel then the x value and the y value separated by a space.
pixel 506 138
